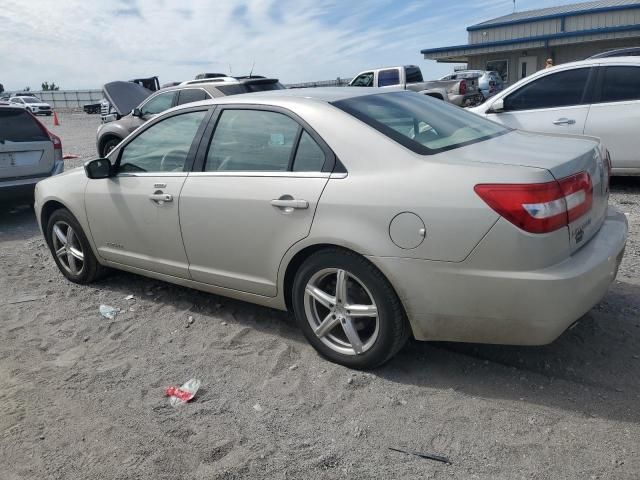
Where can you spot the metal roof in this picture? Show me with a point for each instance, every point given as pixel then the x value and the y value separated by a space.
pixel 556 12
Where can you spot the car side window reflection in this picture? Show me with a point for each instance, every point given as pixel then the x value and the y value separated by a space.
pixel 158 104
pixel 252 140
pixel 163 147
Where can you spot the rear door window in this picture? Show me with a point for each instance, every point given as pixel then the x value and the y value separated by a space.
pixel 414 75
pixel 192 95
pixel 387 78
pixel 158 104
pixel 620 84
pixel 309 156
pixel 252 140
pixel 20 126
pixel 559 89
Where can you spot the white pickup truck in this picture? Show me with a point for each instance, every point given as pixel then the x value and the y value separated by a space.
pixel 462 92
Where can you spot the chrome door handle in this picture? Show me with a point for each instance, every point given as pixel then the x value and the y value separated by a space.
pixel 161 197
pixel 293 203
pixel 564 121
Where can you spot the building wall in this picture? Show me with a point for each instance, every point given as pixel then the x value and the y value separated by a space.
pixel 559 53
pixel 556 25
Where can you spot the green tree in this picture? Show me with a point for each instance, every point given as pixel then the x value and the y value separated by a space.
pixel 1 88
pixel 50 87
pixel 26 89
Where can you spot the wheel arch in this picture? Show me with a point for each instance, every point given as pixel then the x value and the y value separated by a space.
pixel 47 210
pixel 105 138
pixel 301 255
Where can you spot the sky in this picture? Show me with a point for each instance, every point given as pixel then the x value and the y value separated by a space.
pixel 84 44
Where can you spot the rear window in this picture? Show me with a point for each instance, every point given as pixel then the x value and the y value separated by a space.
pixel 420 123
pixel 249 88
pixel 414 75
pixel 20 126
pixel 387 78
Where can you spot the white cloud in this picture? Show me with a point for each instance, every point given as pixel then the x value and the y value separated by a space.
pixel 81 44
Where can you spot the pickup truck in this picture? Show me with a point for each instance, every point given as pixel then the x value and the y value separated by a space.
pixel 463 92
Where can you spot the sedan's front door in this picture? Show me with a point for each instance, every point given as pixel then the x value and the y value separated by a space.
pixel 133 216
pixel 554 103
pixel 262 177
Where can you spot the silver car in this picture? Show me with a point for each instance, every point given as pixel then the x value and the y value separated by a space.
pixel 371 215
pixel 28 153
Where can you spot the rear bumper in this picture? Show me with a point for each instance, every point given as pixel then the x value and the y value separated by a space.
pixel 448 302
pixel 21 190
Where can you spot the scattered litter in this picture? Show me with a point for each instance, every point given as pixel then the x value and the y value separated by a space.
pixel 350 381
pixel 149 293
pixel 190 320
pixel 41 437
pixel 85 339
pixel 223 323
pixel 293 367
pixel 425 455
pixel 28 298
pixel 257 407
pixel 129 297
pixel 184 394
pixel 108 312
pixel 70 156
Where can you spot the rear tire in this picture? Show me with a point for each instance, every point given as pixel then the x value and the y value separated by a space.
pixel 70 248
pixel 360 326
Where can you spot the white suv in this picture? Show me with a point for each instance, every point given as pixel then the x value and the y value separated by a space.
pixel 33 104
pixel 598 97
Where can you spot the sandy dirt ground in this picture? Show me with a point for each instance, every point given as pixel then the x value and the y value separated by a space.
pixel 81 396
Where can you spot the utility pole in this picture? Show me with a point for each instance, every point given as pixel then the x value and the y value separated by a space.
pixel 514 6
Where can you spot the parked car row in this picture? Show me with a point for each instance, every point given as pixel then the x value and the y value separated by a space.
pixel 135 104
pixel 461 92
pixel 489 82
pixel 264 198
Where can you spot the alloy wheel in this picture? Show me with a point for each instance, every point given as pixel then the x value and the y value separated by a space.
pixel 67 248
pixel 341 311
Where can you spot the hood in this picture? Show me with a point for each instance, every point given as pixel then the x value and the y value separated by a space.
pixel 124 96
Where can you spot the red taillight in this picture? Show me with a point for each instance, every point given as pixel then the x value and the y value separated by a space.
pixel 540 207
pixel 463 87
pixel 57 143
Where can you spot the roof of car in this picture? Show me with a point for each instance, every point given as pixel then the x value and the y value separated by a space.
pixel 323 94
pixel 603 61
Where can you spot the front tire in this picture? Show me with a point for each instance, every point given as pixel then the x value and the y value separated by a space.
pixel 347 309
pixel 109 145
pixel 70 248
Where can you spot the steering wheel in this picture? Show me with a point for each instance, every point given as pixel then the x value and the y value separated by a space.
pixel 173 160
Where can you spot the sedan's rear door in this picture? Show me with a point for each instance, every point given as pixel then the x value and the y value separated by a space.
pixel 25 147
pixel 615 113
pixel 259 179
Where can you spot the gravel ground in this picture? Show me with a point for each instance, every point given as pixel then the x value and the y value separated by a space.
pixel 82 396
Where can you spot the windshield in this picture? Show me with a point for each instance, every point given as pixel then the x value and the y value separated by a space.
pixel 421 123
pixel 30 100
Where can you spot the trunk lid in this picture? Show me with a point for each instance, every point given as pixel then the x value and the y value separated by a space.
pixel 125 96
pixel 25 147
pixel 562 156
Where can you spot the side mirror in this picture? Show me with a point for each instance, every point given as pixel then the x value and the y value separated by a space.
pixel 497 106
pixel 137 112
pixel 99 168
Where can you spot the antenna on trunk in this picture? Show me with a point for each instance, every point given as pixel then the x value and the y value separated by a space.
pixel 253 65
